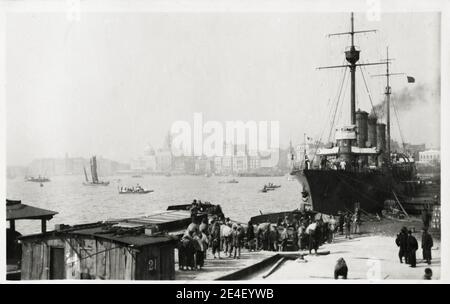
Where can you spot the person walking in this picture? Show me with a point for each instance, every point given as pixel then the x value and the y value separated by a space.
pixel 426 217
pixel 341 222
pixel 357 221
pixel 205 245
pixel 273 238
pixel 412 247
pixel 226 238
pixel 250 235
pixel 215 239
pixel 194 211
pixel 348 225
pixel 427 244
pixel 332 228
pixel 187 252
pixel 401 242
pixel 312 237
pixel 198 249
pixel 235 243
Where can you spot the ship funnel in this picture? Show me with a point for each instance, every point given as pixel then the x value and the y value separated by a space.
pixel 361 125
pixel 381 141
pixel 372 131
pixel 372 136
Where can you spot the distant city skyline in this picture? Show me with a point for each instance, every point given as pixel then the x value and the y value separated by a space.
pixel 109 84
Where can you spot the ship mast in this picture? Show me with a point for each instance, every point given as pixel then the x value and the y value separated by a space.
pixel 388 108
pixel 352 56
pixel 387 92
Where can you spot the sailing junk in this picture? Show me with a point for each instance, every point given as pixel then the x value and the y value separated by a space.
pixel 358 170
pixel 95 181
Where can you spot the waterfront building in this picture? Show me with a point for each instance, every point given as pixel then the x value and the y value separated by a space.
pixel 204 165
pixel 430 157
pixel 240 164
pixel 163 160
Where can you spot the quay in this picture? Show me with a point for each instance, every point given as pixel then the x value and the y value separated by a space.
pixel 368 257
pixel 146 248
pixel 227 268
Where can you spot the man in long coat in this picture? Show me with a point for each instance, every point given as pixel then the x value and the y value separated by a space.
pixel 427 244
pixel 412 247
pixel 401 242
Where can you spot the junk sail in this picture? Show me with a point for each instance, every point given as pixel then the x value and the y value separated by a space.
pixel 95 181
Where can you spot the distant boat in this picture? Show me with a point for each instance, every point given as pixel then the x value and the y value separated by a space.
pixel 39 179
pixel 134 190
pixel 168 174
pixel 272 186
pixel 231 181
pixel 136 176
pixel 95 181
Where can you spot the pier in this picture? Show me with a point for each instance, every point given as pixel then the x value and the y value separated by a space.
pixel 227 268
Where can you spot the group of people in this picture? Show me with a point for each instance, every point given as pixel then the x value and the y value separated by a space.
pixel 408 246
pixel 300 231
pixel 348 223
pixel 214 234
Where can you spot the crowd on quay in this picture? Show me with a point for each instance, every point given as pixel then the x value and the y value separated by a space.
pixel 304 230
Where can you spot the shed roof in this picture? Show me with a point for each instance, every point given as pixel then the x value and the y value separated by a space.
pixel 156 218
pixel 137 240
pixel 15 210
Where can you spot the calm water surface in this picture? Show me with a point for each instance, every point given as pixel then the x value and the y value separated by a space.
pixel 81 204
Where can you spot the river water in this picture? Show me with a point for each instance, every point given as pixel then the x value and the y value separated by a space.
pixel 77 204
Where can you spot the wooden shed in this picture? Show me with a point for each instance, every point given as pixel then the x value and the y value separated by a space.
pixel 105 251
pixel 15 211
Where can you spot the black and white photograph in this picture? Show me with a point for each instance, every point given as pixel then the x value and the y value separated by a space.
pixel 198 141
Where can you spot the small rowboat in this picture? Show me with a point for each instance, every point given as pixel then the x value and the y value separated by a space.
pixel 272 186
pixel 232 181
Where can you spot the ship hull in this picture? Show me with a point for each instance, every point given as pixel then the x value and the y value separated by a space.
pixel 330 191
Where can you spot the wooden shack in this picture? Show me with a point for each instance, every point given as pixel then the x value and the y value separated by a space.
pixel 15 211
pixel 140 248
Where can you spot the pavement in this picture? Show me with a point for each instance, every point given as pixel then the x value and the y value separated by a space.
pixel 368 257
pixel 216 268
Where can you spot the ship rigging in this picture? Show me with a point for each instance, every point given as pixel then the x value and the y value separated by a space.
pixel 357 169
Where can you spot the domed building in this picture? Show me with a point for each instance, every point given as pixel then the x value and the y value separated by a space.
pixel 146 163
pixel 149 150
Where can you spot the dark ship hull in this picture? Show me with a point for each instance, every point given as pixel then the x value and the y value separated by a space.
pixel 330 191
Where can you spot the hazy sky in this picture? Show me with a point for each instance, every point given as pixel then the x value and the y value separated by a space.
pixel 111 83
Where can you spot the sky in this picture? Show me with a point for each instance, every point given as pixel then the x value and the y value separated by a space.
pixel 111 83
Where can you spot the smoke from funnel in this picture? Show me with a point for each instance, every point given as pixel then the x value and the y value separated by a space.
pixel 406 100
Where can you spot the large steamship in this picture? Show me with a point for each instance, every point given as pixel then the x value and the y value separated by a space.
pixel 359 169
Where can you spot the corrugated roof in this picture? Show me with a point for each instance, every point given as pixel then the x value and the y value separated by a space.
pixel 107 232
pixel 129 231
pixel 164 219
pixel 128 239
pixel 15 210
